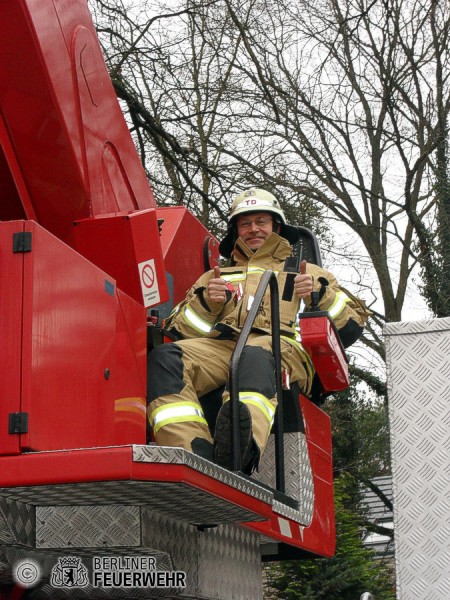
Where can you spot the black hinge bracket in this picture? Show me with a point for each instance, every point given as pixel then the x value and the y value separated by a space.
pixel 22 241
pixel 18 422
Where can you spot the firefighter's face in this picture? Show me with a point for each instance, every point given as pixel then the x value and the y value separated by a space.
pixel 254 228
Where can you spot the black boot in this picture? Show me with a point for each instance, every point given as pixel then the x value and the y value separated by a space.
pixel 223 442
pixel 202 448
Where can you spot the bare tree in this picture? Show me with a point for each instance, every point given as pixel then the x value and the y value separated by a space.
pixel 175 68
pixel 359 92
pixel 340 102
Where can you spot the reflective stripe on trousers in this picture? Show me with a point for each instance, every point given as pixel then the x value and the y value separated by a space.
pixel 176 412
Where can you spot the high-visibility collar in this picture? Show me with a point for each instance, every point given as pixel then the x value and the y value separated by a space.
pixel 274 250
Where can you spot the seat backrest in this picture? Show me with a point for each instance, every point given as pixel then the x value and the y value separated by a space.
pixel 307 247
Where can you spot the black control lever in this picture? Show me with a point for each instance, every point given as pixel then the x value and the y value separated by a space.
pixel 292 266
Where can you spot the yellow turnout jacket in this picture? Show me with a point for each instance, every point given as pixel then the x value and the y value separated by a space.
pixel 197 316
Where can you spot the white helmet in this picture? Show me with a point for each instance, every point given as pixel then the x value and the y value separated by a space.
pixel 255 200
pixel 251 201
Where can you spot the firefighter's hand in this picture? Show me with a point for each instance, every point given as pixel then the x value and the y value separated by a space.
pixel 303 282
pixel 216 289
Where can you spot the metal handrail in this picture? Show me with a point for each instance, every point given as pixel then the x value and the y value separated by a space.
pixel 267 280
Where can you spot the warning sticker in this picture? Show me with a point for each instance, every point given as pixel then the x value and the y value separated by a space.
pixel 149 283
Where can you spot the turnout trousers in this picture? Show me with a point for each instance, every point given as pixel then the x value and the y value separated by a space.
pixel 181 372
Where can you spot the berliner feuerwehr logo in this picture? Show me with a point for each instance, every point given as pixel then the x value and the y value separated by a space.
pixel 69 572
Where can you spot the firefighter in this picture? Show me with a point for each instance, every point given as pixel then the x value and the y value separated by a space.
pixel 205 326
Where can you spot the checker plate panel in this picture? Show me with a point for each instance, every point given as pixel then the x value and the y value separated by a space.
pixel 418 363
pixel 298 475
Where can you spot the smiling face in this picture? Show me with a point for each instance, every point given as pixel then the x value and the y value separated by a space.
pixel 254 228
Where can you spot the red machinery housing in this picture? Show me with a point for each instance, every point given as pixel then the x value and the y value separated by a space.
pixel 84 253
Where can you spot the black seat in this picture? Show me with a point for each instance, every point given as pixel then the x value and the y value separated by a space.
pixel 307 247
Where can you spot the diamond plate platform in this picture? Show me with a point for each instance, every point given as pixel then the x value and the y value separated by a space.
pixel 184 527
pixel 171 456
pixel 208 509
pixel 418 363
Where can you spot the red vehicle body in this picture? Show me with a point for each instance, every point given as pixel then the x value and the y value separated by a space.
pixel 84 254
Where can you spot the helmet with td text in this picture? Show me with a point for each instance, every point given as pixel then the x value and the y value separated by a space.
pixel 251 201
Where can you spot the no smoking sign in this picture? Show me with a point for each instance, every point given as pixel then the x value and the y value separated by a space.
pixel 148 276
pixel 149 283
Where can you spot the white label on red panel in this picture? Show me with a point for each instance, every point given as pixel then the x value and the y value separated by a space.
pixel 149 283
pixel 285 527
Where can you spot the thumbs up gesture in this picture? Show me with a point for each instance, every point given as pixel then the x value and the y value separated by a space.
pixel 303 282
pixel 216 290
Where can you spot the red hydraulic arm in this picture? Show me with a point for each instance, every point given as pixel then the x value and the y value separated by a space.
pixel 63 138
